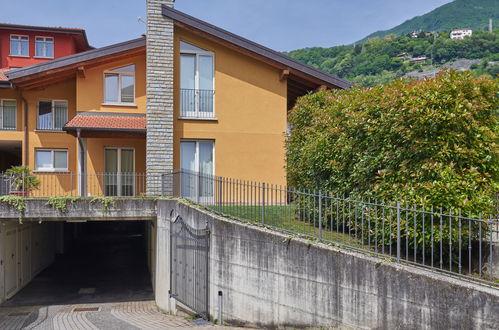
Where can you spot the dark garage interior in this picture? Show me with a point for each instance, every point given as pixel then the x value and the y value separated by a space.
pixel 103 261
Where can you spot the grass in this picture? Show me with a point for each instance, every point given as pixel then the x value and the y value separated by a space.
pixel 286 217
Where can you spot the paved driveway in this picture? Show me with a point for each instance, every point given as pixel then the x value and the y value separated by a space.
pixel 106 316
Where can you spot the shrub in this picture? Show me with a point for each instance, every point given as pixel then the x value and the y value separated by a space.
pixel 430 142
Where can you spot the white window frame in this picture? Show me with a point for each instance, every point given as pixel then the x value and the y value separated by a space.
pixel 196 169
pixel 19 49
pixel 118 172
pixel 52 169
pixel 45 47
pixel 52 129
pixel 119 74
pixel 196 114
pixel 1 115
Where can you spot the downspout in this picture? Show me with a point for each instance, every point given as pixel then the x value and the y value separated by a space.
pixel 25 124
pixel 81 173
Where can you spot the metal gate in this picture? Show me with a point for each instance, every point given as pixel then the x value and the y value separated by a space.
pixel 189 270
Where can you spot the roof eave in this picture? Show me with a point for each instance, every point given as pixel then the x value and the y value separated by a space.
pixel 5 84
pixel 253 47
pixel 75 59
pixel 104 129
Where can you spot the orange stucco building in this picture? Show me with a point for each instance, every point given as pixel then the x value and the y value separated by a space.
pixel 84 123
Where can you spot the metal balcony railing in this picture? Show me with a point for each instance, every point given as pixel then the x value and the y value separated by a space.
pixel 197 103
pixel 72 184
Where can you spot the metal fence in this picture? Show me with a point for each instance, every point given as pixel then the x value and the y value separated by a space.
pixel 446 240
pixel 72 184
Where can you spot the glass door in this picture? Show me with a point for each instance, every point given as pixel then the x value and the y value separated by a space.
pixel 119 179
pixel 127 177
pixel 111 173
pixel 197 170
pixel 188 100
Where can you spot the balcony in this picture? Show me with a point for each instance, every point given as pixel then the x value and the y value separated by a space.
pixel 72 184
pixel 197 104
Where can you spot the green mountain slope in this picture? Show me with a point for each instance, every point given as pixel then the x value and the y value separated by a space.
pixel 379 60
pixel 472 14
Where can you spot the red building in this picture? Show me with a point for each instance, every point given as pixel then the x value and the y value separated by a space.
pixel 23 45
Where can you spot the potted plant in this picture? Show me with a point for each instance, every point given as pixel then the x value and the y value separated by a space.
pixel 22 181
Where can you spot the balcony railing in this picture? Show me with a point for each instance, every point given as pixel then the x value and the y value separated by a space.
pixel 197 103
pixel 72 184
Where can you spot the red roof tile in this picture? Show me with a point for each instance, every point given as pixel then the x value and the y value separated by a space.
pixel 3 77
pixel 99 122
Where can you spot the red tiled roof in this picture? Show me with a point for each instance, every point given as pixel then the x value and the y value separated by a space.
pixel 108 122
pixel 3 77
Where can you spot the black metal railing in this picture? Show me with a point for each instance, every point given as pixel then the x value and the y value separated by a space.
pixel 449 240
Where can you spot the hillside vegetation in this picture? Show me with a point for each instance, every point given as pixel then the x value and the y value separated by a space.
pixel 376 61
pixel 472 14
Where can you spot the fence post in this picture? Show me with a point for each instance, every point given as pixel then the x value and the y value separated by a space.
pixel 398 231
pixel 220 192
pixel 263 203
pixel 320 214
pixel 491 248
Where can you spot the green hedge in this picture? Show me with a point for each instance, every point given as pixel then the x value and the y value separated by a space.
pixel 430 142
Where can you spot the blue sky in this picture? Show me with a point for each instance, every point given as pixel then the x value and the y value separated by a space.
pixel 279 24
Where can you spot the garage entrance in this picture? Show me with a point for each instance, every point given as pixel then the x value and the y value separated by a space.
pixel 96 262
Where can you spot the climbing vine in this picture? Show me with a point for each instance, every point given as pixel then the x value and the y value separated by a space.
pixel 105 201
pixel 61 202
pixel 14 201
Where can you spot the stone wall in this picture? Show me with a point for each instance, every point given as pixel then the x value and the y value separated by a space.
pixel 159 157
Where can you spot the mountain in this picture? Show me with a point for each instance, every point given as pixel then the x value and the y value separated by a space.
pixel 472 14
pixel 379 60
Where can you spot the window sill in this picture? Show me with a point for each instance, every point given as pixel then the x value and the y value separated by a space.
pixel 51 171
pixel 8 129
pixel 22 56
pixel 49 131
pixel 197 118
pixel 118 104
pixel 44 58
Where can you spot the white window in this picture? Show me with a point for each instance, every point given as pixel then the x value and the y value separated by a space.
pixel 52 115
pixel 19 46
pixel 44 47
pixel 8 114
pixel 197 164
pixel 197 82
pixel 120 168
pixel 51 160
pixel 119 85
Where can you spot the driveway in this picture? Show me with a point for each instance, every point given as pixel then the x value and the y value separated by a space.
pixel 105 316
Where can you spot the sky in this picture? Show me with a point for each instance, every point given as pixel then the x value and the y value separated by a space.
pixel 282 25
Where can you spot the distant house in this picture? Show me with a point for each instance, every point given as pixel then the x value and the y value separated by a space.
pixel 420 34
pixel 459 34
pixel 403 55
pixel 415 34
pixel 420 59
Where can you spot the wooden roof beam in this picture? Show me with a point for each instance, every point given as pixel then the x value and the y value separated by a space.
pixel 284 75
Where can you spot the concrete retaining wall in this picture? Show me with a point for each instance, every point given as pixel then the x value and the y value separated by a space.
pixel 83 209
pixel 271 281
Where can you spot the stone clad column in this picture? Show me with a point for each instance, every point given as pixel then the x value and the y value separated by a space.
pixel 159 155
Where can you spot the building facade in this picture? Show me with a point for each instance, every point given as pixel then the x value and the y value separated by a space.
pixel 191 96
pixel 460 34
